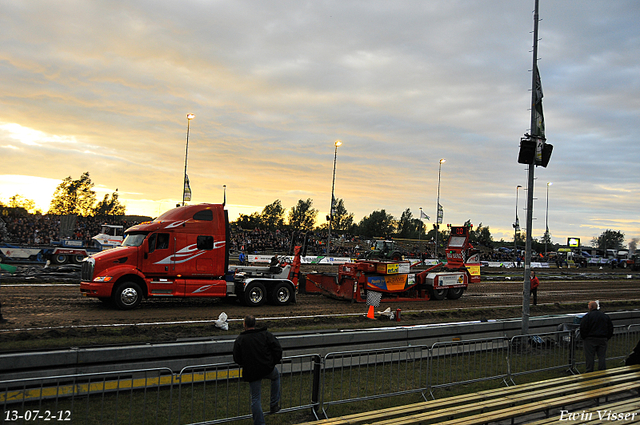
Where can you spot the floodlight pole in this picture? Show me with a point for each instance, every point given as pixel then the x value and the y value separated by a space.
pixel 186 154
pixel 546 221
pixel 442 160
pixel 526 290
pixel 420 228
pixel 516 224
pixel 337 144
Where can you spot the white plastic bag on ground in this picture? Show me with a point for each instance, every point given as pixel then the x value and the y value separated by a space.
pixel 222 322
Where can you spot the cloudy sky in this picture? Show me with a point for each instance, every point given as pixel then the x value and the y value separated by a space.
pixel 105 86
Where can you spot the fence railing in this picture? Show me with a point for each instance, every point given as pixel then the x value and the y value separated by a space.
pixel 350 376
pixel 215 393
pixel 464 362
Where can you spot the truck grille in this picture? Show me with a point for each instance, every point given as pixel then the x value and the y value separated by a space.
pixel 87 271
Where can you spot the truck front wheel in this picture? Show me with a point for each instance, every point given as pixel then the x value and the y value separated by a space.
pixel 281 294
pixel 127 296
pixel 255 294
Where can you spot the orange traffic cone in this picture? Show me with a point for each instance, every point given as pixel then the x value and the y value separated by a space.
pixel 370 313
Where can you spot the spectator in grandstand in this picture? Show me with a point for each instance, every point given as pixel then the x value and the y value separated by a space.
pixel 596 329
pixel 258 352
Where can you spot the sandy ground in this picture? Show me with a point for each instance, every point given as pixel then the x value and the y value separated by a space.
pixel 38 307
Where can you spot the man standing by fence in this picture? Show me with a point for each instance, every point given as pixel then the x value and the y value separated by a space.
pixel 596 329
pixel 258 352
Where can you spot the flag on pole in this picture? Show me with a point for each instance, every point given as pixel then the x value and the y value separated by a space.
pixel 187 190
pixel 440 214
pixel 423 215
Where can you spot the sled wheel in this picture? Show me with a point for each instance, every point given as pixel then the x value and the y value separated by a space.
pixel 455 293
pixel 439 294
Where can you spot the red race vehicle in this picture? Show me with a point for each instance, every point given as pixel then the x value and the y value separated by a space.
pixel 184 253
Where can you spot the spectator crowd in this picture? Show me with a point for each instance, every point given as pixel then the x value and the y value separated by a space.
pixel 44 229
pixel 34 230
pixel 282 242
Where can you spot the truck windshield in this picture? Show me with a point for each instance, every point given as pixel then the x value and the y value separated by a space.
pixel 134 239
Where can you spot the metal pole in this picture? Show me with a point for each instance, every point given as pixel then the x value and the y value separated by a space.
pixel 438 208
pixel 527 260
pixel 516 225
pixel 333 184
pixel 186 154
pixel 420 228
pixel 546 222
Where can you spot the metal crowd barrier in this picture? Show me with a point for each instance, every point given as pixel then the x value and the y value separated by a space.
pixel 215 393
pixel 541 352
pixel 618 347
pixel 99 398
pixel 358 375
pixel 465 362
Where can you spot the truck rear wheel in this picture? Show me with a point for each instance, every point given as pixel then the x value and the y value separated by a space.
pixel 127 296
pixel 454 293
pixel 255 294
pixel 59 259
pixel 281 294
pixel 77 259
pixel 439 294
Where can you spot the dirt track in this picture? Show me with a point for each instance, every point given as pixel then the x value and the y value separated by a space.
pixel 61 305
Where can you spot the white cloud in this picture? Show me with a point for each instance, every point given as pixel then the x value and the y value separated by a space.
pixel 105 88
pixel 31 137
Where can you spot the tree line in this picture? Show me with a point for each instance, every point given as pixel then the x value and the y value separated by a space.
pixel 74 197
pixel 77 197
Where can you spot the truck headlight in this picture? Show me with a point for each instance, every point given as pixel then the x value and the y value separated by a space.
pixel 102 279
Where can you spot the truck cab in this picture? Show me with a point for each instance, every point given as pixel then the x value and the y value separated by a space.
pixel 182 253
pixel 110 236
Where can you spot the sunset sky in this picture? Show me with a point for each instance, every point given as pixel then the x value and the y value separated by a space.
pixel 105 87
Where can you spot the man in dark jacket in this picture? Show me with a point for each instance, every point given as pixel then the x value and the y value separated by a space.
pixel 258 352
pixel 596 329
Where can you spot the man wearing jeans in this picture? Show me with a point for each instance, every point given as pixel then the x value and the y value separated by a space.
pixel 596 329
pixel 258 352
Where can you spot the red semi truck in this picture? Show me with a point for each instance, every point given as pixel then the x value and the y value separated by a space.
pixel 183 253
